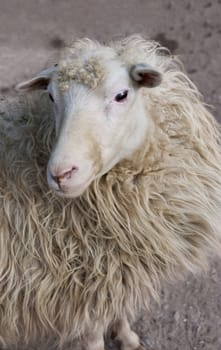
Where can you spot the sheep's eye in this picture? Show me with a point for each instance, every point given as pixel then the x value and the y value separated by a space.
pixel 51 97
pixel 121 96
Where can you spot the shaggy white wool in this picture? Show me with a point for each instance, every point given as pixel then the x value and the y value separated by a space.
pixel 67 264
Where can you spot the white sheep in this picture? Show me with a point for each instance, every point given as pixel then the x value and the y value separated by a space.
pixel 134 171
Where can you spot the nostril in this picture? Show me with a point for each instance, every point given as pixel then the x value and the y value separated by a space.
pixel 65 175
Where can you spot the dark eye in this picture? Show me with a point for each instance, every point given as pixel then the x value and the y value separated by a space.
pixel 51 97
pixel 121 96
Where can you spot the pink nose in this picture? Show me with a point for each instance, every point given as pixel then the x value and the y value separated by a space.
pixel 64 176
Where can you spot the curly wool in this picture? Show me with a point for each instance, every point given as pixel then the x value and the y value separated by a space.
pixel 66 265
pixel 89 73
pixel 83 62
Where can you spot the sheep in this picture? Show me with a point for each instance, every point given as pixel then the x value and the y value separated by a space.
pixel 106 190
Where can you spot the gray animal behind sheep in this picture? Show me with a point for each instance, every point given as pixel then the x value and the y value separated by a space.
pixel 98 206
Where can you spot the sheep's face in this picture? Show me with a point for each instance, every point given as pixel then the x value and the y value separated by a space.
pixel 97 125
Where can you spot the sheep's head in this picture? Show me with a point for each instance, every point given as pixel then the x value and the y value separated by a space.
pixel 100 115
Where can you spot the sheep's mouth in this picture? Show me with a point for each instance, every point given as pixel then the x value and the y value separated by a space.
pixel 72 190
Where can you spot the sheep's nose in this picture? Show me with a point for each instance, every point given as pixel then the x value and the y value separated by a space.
pixel 61 177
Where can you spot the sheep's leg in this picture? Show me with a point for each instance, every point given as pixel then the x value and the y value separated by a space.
pixel 128 338
pixel 95 340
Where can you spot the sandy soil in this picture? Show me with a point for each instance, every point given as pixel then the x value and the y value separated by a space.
pixel 189 316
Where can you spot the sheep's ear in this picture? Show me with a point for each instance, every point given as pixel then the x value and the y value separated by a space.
pixel 145 75
pixel 39 82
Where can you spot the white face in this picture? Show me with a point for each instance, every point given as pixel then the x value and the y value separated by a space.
pixel 95 128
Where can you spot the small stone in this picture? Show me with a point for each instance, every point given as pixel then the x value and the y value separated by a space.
pixel 177 316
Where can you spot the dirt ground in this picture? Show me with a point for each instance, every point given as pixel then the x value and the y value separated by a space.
pixel 189 315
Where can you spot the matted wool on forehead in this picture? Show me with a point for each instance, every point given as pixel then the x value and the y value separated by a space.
pixel 89 71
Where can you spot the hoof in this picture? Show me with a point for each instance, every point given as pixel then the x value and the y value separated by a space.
pixel 113 335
